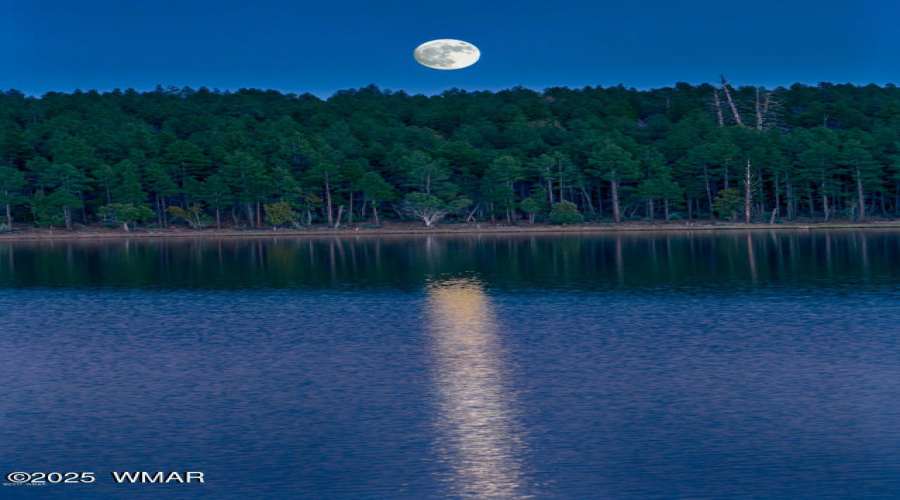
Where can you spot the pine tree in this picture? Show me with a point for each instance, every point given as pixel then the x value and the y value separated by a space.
pixel 12 182
pixel 614 164
pixel 376 190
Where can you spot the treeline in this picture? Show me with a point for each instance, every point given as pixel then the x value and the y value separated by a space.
pixel 256 158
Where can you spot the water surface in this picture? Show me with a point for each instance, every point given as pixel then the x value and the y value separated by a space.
pixel 652 365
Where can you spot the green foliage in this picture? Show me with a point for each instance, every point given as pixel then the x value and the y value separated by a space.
pixel 426 174
pixel 126 213
pixel 216 192
pixel 48 209
pixel 611 162
pixel 14 148
pixel 12 181
pixel 185 160
pixel 425 206
pixel 727 203
pixel 532 207
pixel 565 212
pixel 65 177
pixel 74 152
pixel 375 188
pixel 129 189
pixel 279 214
pixel 193 215
pixel 459 206
pixel 613 152
pixel 500 179
pixel 246 176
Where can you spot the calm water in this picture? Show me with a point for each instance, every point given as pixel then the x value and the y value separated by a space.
pixel 635 366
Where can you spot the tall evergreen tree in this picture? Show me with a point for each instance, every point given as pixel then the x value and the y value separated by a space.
pixel 12 182
pixel 614 164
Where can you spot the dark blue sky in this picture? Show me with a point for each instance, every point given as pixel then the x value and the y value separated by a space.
pixel 328 45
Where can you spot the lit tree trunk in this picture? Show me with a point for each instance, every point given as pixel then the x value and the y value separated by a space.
pixel 350 210
pixel 599 200
pixel 777 193
pixel 709 196
pixel 761 192
pixel 587 199
pixel 614 188
pixel 759 112
pixel 859 193
pixel 897 198
pixel 160 220
pixel 812 199
pixel 747 191
pixel 340 213
pixel 509 202
pixel 8 214
pixel 328 200
pixel 789 191
pixel 375 212
pixel 471 217
pixel 560 181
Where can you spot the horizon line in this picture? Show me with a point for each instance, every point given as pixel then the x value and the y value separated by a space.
pixel 427 93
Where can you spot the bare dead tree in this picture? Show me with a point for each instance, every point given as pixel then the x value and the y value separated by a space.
pixel 766 109
pixel 719 115
pixel 860 193
pixel 337 222
pixel 734 111
pixel 760 116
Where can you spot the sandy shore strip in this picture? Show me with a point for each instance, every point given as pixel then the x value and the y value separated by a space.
pixel 91 233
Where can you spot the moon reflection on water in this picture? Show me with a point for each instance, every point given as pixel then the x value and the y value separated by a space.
pixel 480 435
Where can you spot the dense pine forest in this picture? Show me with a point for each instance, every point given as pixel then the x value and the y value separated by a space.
pixel 253 158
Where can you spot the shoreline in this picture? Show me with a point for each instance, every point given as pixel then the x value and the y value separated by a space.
pixel 393 229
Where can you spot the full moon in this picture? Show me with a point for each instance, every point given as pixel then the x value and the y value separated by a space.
pixel 447 54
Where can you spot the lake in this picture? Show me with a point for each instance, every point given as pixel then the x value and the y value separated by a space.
pixel 701 365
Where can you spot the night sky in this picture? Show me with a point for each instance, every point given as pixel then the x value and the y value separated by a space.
pixel 329 45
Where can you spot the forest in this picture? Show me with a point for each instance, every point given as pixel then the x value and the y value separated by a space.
pixel 180 157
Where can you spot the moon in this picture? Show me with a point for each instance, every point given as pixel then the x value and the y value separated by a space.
pixel 447 54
